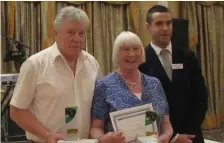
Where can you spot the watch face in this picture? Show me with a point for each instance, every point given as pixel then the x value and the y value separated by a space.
pixel 70 113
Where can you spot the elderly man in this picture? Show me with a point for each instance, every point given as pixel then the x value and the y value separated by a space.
pixel 57 81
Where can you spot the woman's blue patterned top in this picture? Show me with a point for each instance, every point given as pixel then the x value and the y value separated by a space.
pixel 112 94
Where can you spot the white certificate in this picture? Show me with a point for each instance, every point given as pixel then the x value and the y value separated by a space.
pixel 132 122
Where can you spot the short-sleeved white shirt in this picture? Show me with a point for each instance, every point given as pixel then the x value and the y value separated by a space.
pixel 46 86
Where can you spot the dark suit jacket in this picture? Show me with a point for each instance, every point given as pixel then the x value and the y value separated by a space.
pixel 186 94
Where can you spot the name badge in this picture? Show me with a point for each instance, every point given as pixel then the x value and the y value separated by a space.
pixel 177 66
pixel 71 123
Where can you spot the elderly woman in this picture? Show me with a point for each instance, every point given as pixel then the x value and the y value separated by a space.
pixel 125 88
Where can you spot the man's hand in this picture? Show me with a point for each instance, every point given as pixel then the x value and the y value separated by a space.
pixel 53 137
pixel 164 138
pixel 185 138
pixel 112 137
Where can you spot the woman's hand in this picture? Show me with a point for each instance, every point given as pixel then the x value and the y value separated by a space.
pixel 112 137
pixel 54 137
pixel 185 138
pixel 164 138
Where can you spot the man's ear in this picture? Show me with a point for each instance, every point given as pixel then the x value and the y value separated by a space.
pixel 55 33
pixel 148 26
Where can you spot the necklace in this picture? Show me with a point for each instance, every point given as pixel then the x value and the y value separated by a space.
pixel 132 83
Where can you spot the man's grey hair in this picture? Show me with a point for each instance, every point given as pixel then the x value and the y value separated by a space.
pixel 71 13
pixel 125 39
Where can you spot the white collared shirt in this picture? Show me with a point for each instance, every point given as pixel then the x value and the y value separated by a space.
pixel 158 50
pixel 46 86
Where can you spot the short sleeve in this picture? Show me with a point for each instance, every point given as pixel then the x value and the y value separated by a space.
pixel 99 73
pixel 99 105
pixel 26 85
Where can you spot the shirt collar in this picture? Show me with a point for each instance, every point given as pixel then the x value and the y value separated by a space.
pixel 55 51
pixel 158 49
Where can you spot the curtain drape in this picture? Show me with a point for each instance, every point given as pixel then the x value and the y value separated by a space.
pixel 32 23
pixel 206 31
pixel 21 22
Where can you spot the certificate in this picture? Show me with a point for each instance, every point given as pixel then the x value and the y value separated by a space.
pixel 132 122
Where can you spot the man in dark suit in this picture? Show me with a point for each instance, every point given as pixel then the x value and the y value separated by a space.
pixel 180 75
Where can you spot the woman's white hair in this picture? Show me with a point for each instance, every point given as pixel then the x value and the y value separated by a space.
pixel 71 13
pixel 126 39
